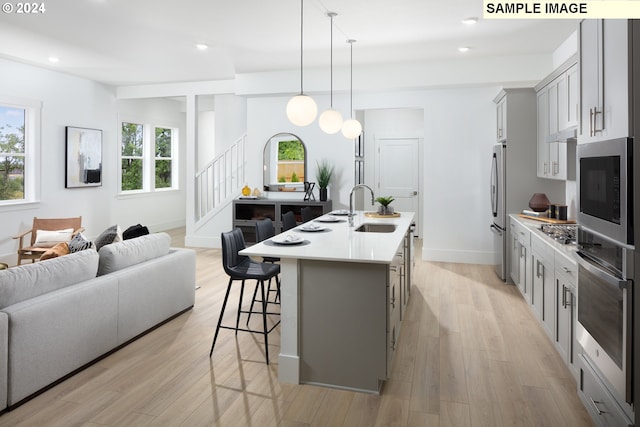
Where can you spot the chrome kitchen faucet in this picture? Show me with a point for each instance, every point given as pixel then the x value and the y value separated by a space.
pixel 351 201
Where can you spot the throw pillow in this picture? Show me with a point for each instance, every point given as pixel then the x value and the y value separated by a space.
pixel 135 231
pixel 108 236
pixel 50 238
pixel 79 243
pixel 58 250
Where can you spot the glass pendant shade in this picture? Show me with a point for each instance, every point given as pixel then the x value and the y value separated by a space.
pixel 330 121
pixel 302 110
pixel 351 128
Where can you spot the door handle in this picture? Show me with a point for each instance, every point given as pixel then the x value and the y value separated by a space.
pixel 414 193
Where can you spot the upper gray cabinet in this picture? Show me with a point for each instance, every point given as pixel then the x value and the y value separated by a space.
pixel 557 97
pixel 606 52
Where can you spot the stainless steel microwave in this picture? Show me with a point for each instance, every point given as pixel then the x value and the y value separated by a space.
pixel 605 188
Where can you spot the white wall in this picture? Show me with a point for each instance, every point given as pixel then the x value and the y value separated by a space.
pixel 71 101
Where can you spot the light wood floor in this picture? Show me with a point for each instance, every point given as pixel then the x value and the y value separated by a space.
pixel 470 354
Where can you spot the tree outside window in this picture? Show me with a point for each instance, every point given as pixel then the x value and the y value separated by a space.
pixel 12 153
pixel 132 156
pixel 163 158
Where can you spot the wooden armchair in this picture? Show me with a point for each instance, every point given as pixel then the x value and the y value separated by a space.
pixel 33 252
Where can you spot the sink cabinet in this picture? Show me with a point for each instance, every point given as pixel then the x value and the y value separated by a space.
pixel 351 315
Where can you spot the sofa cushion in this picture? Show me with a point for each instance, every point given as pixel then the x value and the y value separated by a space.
pixel 108 236
pixel 30 280
pixel 79 243
pixel 58 250
pixel 117 256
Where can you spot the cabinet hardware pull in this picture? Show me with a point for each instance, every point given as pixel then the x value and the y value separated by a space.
pixel 566 270
pixel 590 121
pixel 546 165
pixel 594 403
pixel 538 265
pixel 564 296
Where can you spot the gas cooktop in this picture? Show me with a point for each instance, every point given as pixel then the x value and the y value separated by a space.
pixel 562 233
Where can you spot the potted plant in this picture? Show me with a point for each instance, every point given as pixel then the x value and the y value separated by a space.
pixel 385 208
pixel 324 171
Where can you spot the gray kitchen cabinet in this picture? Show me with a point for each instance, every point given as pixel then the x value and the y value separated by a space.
pixel 543 291
pixel 557 118
pixel 501 124
pixel 606 53
pixel 246 212
pixel 565 337
pixel 520 262
pixel 600 404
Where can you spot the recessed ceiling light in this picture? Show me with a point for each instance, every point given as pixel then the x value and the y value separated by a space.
pixel 202 46
pixel 470 21
pixel 464 49
pixel 53 59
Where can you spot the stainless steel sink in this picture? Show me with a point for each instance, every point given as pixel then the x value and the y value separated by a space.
pixel 369 227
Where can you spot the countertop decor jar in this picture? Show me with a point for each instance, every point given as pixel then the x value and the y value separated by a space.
pixel 539 202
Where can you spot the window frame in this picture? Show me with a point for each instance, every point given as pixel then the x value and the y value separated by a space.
pixel 32 151
pixel 148 157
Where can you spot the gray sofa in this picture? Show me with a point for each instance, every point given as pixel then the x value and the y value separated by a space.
pixel 58 315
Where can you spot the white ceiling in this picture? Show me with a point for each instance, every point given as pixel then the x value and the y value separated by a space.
pixel 124 42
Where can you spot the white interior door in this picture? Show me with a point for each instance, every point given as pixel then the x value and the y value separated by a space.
pixel 397 173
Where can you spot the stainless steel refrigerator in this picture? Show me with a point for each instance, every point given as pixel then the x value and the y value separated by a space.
pixel 498 213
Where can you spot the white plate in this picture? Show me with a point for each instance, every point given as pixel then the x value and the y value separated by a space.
pixel 287 239
pixel 342 212
pixel 328 218
pixel 312 227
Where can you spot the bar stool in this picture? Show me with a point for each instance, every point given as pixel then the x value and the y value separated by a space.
pixel 288 220
pixel 307 214
pixel 265 230
pixel 240 267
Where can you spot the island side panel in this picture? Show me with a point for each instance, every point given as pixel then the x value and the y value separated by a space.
pixel 343 324
pixel 289 360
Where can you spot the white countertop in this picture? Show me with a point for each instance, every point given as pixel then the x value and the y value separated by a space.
pixel 532 225
pixel 339 242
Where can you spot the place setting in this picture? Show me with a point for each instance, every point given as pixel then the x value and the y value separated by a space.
pixel 331 218
pixel 286 240
pixel 312 227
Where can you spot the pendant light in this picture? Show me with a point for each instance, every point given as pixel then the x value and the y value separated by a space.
pixel 301 109
pixel 351 128
pixel 330 120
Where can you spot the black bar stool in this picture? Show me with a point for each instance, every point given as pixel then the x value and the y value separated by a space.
pixel 288 220
pixel 307 214
pixel 265 230
pixel 240 267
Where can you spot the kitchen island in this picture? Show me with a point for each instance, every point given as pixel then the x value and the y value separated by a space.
pixel 343 293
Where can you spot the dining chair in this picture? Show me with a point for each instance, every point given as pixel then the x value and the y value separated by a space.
pixel 241 268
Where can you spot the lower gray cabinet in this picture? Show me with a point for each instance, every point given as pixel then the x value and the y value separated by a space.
pixel 601 405
pixel 543 287
pixel 566 312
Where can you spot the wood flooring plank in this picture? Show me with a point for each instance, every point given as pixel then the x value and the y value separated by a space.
pixel 455 415
pixel 453 382
pixel 363 410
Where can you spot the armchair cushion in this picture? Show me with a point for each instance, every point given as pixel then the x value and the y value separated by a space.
pixel 50 238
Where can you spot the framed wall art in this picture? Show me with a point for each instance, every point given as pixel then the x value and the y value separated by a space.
pixel 83 158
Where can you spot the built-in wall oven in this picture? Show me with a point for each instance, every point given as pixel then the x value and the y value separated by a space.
pixel 605 287
pixel 605 260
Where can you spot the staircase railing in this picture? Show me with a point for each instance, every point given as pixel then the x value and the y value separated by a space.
pixel 220 180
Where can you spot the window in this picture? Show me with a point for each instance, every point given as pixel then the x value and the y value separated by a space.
pixel 19 150
pixel 147 158
pixel 132 159
pixel 163 159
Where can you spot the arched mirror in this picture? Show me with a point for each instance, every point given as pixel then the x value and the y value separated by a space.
pixel 284 163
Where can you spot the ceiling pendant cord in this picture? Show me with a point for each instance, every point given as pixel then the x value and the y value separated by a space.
pixel 301 109
pixel 351 128
pixel 330 120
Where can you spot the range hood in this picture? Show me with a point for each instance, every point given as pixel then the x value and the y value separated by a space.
pixel 566 135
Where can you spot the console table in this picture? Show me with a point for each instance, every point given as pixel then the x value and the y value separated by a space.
pixel 246 212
